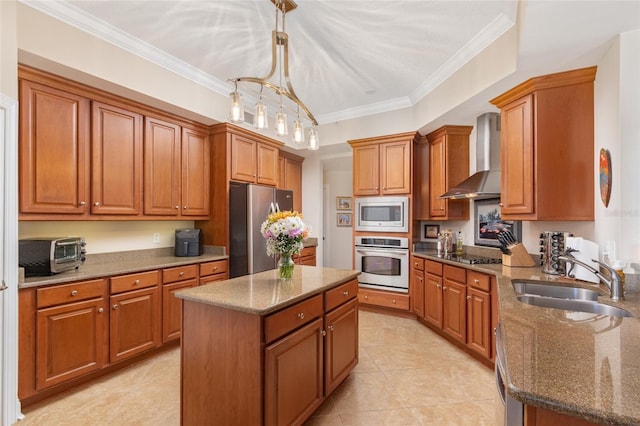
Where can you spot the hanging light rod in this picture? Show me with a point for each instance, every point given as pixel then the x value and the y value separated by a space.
pixel 279 63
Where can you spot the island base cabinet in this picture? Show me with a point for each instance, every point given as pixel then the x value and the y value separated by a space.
pixel 293 376
pixel 341 349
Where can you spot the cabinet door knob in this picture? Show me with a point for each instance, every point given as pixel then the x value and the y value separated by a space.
pixel 438 286
pixel 82 203
pixel 136 282
pixel 74 292
pixel 444 288
pixel 100 310
pixel 185 207
pixel 115 306
pixel 366 297
pixel 501 205
pixel 468 297
pixel 346 293
pixel 301 315
pixel 330 327
pixel 97 203
pixel 477 281
pixel 393 301
pixel 177 207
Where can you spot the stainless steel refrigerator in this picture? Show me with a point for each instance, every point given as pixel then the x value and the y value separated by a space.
pixel 249 206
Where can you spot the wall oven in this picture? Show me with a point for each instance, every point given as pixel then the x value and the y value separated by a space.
pixel 383 262
pixel 382 214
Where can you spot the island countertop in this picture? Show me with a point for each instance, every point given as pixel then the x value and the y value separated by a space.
pixel 265 292
pixel 582 365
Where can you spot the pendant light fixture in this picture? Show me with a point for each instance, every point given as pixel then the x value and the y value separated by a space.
pixel 279 63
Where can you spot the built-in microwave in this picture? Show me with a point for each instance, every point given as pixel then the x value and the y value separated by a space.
pixel 382 214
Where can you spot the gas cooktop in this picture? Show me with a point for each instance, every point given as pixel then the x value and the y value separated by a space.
pixel 472 260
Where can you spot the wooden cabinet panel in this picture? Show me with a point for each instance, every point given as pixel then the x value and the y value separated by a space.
pixel 179 273
pixel 517 154
pixel 195 158
pixel 134 281
pixel 417 292
pixel 172 309
pixel 448 166
pixel 294 376
pixel 339 295
pixel 134 323
pixel 366 170
pixel 53 150
pixel 384 298
pixel 288 319
pixel 395 168
pixel 341 344
pixel 307 256
pixel 454 309
pixel 68 293
pixel 291 177
pixel 479 321
pixel 116 154
pixel 433 300
pixel 70 341
pixel 161 167
pixel 548 134
pixel 243 159
pixel 267 164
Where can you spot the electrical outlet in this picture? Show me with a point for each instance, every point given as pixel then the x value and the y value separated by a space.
pixel 156 237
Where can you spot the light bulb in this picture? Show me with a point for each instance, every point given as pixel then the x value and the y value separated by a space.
pixel 298 132
pixel 281 123
pixel 260 120
pixel 314 140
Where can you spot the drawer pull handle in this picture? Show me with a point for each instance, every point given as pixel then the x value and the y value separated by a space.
pixel 477 281
pixel 136 282
pixel 74 292
pixel 393 301
pixel 346 293
pixel 115 306
pixel 215 268
pixel 301 315
pixel 366 297
pixel 181 273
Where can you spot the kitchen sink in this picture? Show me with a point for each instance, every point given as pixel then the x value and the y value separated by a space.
pixel 555 291
pixel 588 306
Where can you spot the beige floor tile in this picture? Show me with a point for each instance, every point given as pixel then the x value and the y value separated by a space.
pixel 399 417
pixel 461 414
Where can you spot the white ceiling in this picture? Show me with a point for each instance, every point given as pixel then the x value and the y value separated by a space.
pixel 350 58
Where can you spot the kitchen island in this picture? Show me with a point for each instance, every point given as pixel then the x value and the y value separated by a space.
pixel 260 350
pixel 558 362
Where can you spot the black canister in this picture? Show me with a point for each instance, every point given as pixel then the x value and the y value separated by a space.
pixel 187 242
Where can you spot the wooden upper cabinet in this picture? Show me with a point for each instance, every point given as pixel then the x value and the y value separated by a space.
pixel 161 167
pixel 448 166
pixel 116 172
pixel 547 154
pixel 195 162
pixel 291 177
pixel 253 161
pixel 383 165
pixel 53 150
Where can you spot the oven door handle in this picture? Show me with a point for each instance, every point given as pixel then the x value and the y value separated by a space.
pixel 383 251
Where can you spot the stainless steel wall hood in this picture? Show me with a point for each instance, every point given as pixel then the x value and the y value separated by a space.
pixel 485 183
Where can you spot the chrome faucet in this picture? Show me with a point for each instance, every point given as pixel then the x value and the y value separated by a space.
pixel 613 281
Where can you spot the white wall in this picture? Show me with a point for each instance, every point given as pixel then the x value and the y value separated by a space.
pixel 339 242
pixel 312 202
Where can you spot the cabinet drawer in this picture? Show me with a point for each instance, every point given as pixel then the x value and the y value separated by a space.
pixel 433 267
pixel 179 273
pixel 134 281
pixel 288 319
pixel 337 296
pixel 455 274
pixel 479 281
pixel 68 293
pixel 215 267
pixel 417 263
pixel 308 251
pixel 383 298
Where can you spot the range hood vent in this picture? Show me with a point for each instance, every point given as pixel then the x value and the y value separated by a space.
pixel 485 183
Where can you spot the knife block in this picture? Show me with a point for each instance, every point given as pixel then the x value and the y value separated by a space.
pixel 519 257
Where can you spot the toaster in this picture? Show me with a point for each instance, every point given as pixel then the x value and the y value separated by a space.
pixel 48 256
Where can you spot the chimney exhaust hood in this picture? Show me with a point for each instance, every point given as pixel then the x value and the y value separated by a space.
pixel 485 183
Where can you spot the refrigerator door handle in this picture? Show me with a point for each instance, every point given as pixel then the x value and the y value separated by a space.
pixel 277 207
pixel 272 209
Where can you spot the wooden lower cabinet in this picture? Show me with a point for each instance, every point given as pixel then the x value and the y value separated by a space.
pixel 417 286
pixel 537 416
pixel 174 279
pixel 294 376
pixel 341 344
pixel 135 323
pixel 454 310
pixel 70 337
pixel 307 256
pixel 387 299
pixel 214 271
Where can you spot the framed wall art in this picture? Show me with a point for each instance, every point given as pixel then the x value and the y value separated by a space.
pixel 343 203
pixel 488 223
pixel 431 231
pixel 343 219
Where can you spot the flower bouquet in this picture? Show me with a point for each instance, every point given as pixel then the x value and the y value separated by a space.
pixel 285 233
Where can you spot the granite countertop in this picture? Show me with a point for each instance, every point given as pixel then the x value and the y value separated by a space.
pixel 310 242
pixel 126 262
pixel 265 292
pixel 583 365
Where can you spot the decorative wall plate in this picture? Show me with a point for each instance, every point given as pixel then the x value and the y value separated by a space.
pixel 605 176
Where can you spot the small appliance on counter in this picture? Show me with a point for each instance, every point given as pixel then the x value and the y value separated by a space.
pixel 188 242
pixel 552 245
pixel 48 256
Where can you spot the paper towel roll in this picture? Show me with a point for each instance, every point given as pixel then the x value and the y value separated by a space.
pixel 586 250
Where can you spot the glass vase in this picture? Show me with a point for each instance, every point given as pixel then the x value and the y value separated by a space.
pixel 285 266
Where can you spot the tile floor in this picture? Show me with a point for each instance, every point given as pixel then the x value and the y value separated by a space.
pixel 407 375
